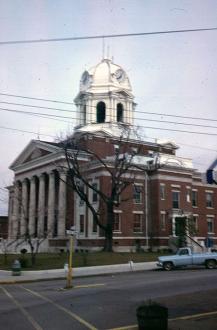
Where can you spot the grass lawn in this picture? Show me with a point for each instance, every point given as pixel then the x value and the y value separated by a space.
pixel 55 261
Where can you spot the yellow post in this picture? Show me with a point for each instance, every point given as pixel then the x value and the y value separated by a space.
pixel 69 276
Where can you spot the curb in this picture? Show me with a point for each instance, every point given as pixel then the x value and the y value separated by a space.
pixel 49 275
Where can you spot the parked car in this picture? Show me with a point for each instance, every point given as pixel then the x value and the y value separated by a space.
pixel 185 257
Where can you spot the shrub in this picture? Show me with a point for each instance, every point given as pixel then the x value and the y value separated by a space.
pixel 23 251
pixel 23 262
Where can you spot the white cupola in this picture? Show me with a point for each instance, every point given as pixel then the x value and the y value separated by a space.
pixel 105 96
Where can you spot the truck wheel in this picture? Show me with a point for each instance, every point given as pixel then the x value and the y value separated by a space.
pixel 210 264
pixel 168 265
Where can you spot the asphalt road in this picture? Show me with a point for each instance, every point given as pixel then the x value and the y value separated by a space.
pixel 105 302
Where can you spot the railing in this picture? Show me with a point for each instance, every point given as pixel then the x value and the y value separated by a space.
pixel 195 242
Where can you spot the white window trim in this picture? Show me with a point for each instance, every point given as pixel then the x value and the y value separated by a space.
pixel 164 197
pixel 213 225
pixel 138 212
pixel 118 231
pixel 118 211
pixel 164 227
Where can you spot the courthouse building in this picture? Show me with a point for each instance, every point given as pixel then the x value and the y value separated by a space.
pixel 166 190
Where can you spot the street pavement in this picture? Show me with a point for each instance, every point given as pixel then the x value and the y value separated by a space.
pixel 203 321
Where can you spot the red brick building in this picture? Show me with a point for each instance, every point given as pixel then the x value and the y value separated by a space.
pixel 165 188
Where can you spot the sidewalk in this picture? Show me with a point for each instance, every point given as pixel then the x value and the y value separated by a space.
pixel 39 275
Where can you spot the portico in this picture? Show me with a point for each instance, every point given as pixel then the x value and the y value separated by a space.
pixel 38 206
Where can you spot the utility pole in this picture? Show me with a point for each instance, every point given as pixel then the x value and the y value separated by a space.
pixel 71 234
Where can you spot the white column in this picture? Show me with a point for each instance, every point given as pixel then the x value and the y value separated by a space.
pixel 51 204
pixel 15 222
pixel 91 111
pixel 32 206
pixel 10 214
pixel 174 226
pixel 24 211
pixel 88 112
pixel 127 113
pixel 62 206
pixel 114 111
pixel 41 206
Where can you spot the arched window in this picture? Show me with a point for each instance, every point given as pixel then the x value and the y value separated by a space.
pixel 120 112
pixel 100 112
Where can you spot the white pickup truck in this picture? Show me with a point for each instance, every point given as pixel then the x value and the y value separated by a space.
pixel 185 257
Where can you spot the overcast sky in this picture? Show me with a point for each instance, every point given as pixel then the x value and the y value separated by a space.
pixel 173 74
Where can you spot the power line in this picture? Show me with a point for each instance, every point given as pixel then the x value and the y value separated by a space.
pixel 177 116
pixel 47 115
pixel 72 103
pixel 38 114
pixel 34 113
pixel 24 131
pixel 35 98
pixel 121 35
pixel 36 106
pixel 181 131
pixel 184 144
pixel 31 132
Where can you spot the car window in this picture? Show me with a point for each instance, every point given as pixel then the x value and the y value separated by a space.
pixel 183 252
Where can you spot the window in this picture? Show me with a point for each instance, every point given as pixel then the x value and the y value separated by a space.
pixel 81 224
pixel 94 193
pixel 163 221
pixel 210 225
pixel 137 194
pixel 162 191
pixel 188 196
pixel 116 148
pixel 194 198
pixel 100 112
pixel 117 199
pixel 209 199
pixel 81 201
pixel 175 199
pixel 193 225
pixel 183 252
pixel 94 227
pixel 117 222
pixel 137 223
pixel 119 112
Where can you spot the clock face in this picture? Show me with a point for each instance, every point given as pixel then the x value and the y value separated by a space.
pixel 120 75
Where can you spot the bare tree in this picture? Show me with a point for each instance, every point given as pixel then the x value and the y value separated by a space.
pixel 5 245
pixel 119 166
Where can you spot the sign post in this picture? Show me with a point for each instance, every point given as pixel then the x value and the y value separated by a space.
pixel 71 233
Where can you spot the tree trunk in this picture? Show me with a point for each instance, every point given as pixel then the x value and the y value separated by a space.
pixel 108 244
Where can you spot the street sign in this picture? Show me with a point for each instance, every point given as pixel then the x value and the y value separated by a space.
pixel 71 232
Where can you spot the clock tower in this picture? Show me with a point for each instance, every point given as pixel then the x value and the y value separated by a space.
pixel 105 96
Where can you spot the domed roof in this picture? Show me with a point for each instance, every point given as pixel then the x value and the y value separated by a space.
pixel 104 77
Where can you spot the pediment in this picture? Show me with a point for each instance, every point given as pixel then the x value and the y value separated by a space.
pixel 35 150
pixel 123 93
pixel 37 153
